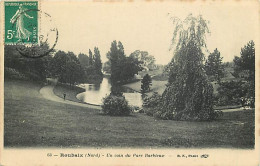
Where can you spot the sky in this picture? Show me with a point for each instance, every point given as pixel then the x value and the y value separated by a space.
pixel 147 26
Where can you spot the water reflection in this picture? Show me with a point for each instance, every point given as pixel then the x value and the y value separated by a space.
pixel 96 92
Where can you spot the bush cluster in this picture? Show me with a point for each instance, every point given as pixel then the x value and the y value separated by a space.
pixel 13 74
pixel 115 106
pixel 234 93
pixel 152 104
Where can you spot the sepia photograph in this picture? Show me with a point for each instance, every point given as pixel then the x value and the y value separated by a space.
pixel 117 75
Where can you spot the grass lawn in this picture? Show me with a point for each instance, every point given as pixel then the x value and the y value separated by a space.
pixel 151 73
pixel 157 86
pixel 32 121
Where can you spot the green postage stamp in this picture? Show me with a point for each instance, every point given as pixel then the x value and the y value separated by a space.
pixel 21 22
pixel 30 30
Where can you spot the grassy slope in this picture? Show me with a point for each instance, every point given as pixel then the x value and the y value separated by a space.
pixel 151 73
pixel 157 86
pixel 31 121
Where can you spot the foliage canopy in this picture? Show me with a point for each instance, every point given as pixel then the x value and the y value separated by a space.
pixel 214 66
pixel 189 94
pixel 123 68
pixel 146 83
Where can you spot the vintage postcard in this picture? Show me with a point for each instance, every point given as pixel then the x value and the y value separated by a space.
pixel 111 82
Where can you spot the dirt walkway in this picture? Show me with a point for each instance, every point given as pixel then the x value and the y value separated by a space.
pixel 236 109
pixel 47 93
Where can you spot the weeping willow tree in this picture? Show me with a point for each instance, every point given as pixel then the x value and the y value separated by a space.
pixel 189 94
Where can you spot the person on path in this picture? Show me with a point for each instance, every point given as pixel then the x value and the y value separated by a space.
pixel 64 96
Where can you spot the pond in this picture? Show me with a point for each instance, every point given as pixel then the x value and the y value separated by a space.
pixel 96 92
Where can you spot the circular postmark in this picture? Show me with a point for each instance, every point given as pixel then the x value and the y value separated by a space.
pixel 35 37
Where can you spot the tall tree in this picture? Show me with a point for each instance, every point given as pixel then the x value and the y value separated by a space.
pixel 147 61
pixel 67 68
pixel 246 61
pixel 214 66
pixel 74 71
pixel 146 83
pixel 245 65
pixel 116 56
pixel 83 59
pixel 130 66
pixel 90 57
pixel 121 50
pixel 58 66
pixel 189 94
pixel 122 68
pixel 97 61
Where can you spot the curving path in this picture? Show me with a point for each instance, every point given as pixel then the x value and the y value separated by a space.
pixel 47 93
pixel 236 109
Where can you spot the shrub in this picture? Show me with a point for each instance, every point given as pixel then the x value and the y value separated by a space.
pixel 13 74
pixel 146 83
pixel 115 105
pixel 230 93
pixel 152 104
pixel 34 76
pixel 153 101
